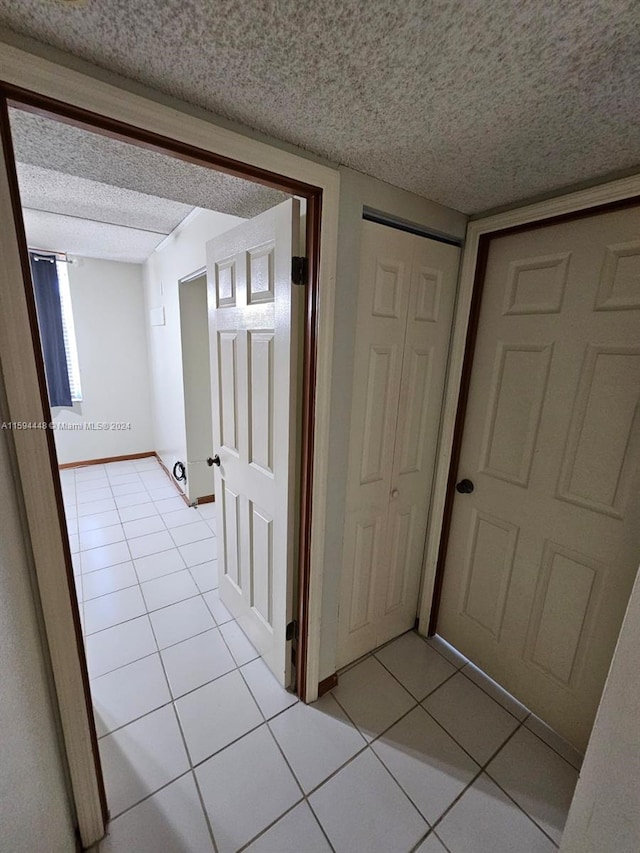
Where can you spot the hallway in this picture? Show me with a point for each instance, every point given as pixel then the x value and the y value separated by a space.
pixel 202 750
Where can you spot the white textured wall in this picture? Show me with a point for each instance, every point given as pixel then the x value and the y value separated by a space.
pixel 605 812
pixel 110 322
pixel 357 191
pixel 35 813
pixel 181 255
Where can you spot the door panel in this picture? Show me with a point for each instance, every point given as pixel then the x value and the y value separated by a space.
pixel 405 304
pixel 542 555
pixel 253 319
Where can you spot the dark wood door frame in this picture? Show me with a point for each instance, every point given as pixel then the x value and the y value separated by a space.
pixel 484 245
pixel 13 96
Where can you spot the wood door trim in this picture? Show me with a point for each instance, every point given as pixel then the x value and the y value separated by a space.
pixel 85 768
pixel 482 255
pixel 95 122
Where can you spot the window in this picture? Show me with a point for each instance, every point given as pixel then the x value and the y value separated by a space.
pixel 68 331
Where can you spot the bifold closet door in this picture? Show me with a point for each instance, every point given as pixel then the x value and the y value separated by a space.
pixel 405 306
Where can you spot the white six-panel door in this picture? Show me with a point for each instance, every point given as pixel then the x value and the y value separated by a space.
pixel 542 555
pixel 405 305
pixel 253 311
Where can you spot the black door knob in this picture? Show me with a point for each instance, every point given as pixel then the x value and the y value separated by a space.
pixel 214 461
pixel 465 487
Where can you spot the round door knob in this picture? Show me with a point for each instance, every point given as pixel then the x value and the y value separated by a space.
pixel 214 461
pixel 465 487
pixel 394 494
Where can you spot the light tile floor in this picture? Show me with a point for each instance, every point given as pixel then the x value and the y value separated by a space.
pixel 202 750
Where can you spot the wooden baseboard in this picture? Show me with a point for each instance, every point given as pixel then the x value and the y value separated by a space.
pixel 173 482
pixel 108 459
pixel 327 684
pixel 207 499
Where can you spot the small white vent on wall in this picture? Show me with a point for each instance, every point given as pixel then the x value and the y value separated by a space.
pixel 156 316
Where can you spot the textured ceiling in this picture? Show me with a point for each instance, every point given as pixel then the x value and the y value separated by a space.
pixel 473 104
pixel 88 239
pixel 72 151
pixel 55 192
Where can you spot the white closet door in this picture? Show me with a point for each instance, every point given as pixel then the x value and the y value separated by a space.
pixel 426 347
pixel 542 555
pixel 406 291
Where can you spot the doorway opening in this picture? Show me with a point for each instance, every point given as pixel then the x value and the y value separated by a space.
pixel 125 475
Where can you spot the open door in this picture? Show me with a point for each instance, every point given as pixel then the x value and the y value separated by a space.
pixel 253 311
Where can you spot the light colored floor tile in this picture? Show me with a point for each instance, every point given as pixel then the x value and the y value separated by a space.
pixel 538 779
pixel 151 543
pixel 142 757
pixel 77 580
pixel 159 493
pixel 187 515
pixel 287 834
pixel 170 505
pixel 124 479
pixel 362 808
pixel 143 526
pixel 158 565
pixel 72 525
pixel 76 562
pixel 495 691
pixel 134 487
pixel 217 608
pixel 213 525
pixel 168 589
pixel 147 463
pixel 240 646
pixel 104 556
pixel 200 552
pixel 128 693
pixel 155 476
pixel 196 661
pixel 187 533
pixel 371 697
pixel 74 543
pixel 112 609
pixel 100 519
pixel 96 507
pixel 245 788
pixel 432 844
pixel 70 511
pixel 316 740
pixel 471 717
pixel 135 499
pixel 180 621
pixel 131 513
pixel 484 820
pixel 108 580
pixel 171 821
pixel 552 739
pixel 215 715
pixel 429 765
pixel 122 466
pixel 90 472
pixel 93 495
pixel 447 651
pixel 205 575
pixel 207 511
pixel 101 536
pixel 271 697
pixel 417 666
pixel 119 645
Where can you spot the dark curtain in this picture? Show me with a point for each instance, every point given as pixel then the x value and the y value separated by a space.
pixel 47 293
